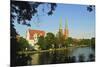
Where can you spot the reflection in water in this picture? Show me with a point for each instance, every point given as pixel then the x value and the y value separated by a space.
pixel 22 60
pixel 35 58
pixel 82 54
pixel 70 55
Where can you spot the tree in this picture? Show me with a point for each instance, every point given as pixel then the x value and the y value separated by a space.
pixel 23 44
pixel 41 43
pixel 90 8
pixel 50 40
pixel 25 10
pixel 56 45
pixel 86 42
pixel 68 41
pixel 93 43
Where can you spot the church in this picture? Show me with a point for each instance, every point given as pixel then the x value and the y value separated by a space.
pixel 63 32
pixel 32 35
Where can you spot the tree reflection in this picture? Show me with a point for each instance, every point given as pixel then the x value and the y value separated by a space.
pixel 81 58
pixel 91 57
pixel 53 57
pixel 23 60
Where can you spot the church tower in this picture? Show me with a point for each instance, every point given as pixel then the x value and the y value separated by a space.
pixel 63 33
pixel 66 32
pixel 60 28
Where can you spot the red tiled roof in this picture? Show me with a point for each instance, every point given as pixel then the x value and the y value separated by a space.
pixel 38 32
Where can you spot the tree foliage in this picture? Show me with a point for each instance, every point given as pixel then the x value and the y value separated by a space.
pixel 90 8
pixel 41 43
pixel 68 41
pixel 23 43
pixel 50 40
pixel 25 10
pixel 93 43
pixel 85 42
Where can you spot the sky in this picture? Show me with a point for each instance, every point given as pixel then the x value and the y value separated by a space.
pixel 81 23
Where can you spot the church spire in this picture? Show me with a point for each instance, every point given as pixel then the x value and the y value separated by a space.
pixel 66 24
pixel 66 29
pixel 60 25
pixel 60 28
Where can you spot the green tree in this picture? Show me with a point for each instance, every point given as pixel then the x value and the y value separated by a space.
pixel 68 41
pixel 41 43
pixel 56 45
pixel 85 42
pixel 50 40
pixel 93 42
pixel 23 43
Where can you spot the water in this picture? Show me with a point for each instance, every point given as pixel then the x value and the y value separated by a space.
pixel 70 55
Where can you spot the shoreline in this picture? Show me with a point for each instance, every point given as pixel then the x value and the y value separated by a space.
pixel 49 50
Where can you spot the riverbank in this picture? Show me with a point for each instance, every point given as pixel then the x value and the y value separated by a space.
pixel 50 50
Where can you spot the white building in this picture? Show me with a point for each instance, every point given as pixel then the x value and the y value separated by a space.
pixel 32 37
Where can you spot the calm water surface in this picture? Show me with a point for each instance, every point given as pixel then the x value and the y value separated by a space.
pixel 69 55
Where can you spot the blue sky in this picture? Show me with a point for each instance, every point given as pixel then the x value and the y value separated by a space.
pixel 81 23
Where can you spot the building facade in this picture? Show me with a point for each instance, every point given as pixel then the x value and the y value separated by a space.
pixel 32 37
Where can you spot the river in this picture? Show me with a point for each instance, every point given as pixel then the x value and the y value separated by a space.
pixel 70 55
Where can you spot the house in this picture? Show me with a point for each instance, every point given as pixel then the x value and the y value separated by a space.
pixel 32 37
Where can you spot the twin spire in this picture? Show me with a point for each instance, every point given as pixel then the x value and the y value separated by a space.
pixel 65 33
pixel 66 24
